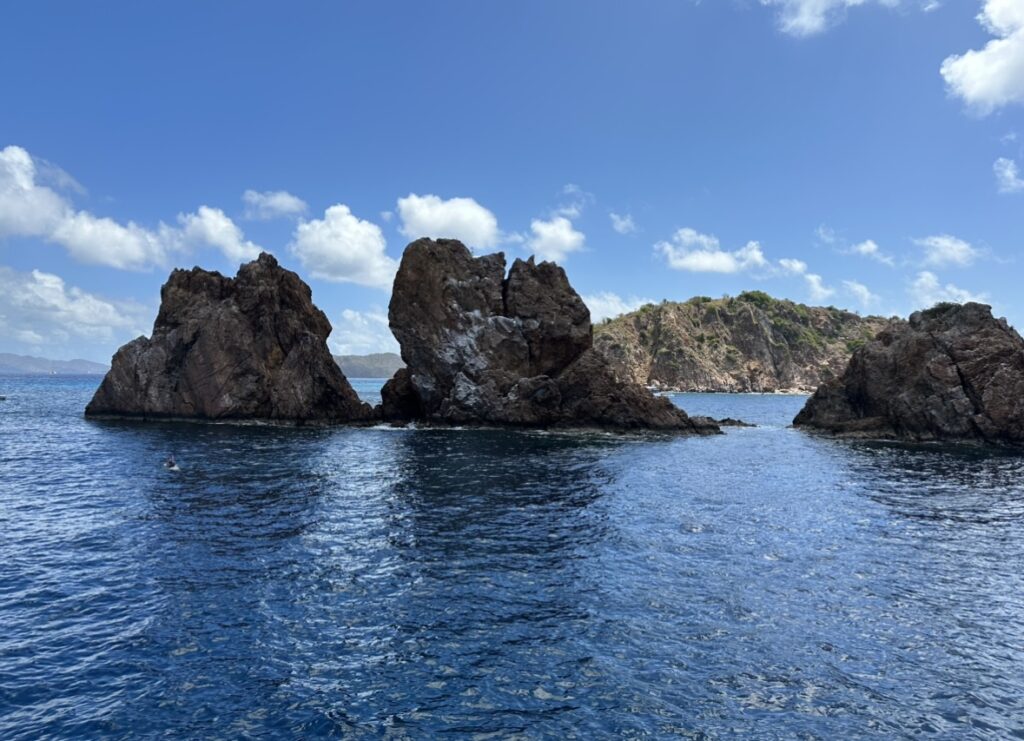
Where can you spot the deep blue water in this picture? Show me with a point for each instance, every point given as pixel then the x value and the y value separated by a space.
pixel 422 583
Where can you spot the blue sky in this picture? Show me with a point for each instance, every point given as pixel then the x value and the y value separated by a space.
pixel 861 153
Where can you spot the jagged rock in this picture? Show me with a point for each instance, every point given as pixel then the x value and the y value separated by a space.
pixel 481 348
pixel 249 347
pixel 951 373
pixel 750 342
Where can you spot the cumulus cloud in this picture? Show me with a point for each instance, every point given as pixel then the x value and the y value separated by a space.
pixel 927 290
pixel 213 227
pixel 701 253
pixel 30 208
pixel 1008 178
pixel 815 283
pixel 992 76
pixel 272 204
pixel 344 248
pixel 362 333
pixel 868 248
pixel 622 224
pixel 810 17
pixel 554 239
pixel 944 249
pixel 607 305
pixel 40 312
pixel 861 293
pixel 457 218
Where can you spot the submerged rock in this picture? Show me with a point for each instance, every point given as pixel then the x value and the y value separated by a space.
pixel 249 347
pixel 483 348
pixel 951 373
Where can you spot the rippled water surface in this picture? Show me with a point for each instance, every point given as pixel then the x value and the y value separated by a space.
pixel 422 583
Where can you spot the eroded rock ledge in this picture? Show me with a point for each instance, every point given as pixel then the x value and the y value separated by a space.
pixel 253 347
pixel 483 348
pixel 950 373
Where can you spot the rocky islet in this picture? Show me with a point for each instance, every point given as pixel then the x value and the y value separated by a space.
pixel 480 348
pixel 953 372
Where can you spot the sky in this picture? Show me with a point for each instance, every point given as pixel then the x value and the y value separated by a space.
pixel 866 154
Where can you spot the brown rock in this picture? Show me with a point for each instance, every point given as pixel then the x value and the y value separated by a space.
pixel 249 347
pixel 481 348
pixel 953 372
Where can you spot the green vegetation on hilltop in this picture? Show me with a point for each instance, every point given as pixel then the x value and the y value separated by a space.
pixel 749 342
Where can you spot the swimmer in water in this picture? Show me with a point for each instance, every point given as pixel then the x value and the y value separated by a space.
pixel 170 462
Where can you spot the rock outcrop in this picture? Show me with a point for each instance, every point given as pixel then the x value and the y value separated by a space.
pixel 748 343
pixel 951 373
pixel 253 347
pixel 483 348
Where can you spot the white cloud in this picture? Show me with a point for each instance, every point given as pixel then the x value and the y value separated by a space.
pixel 606 305
pixel 213 227
pixel 817 288
pixel 362 333
pixel 578 200
pixel 799 267
pixel 40 311
pixel 554 239
pixel 103 241
pixel 815 283
pixel 456 218
pixel 622 224
pixel 868 248
pixel 926 291
pixel 702 253
pixel 30 209
pixel 272 204
pixel 1008 178
pixel 826 234
pixel 944 249
pixel 343 248
pixel 809 17
pixel 992 76
pixel 860 292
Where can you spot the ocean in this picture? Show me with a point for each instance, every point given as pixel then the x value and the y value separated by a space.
pixel 426 583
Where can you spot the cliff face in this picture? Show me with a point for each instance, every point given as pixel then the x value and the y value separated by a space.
pixel 483 348
pixel 950 373
pixel 750 343
pixel 249 347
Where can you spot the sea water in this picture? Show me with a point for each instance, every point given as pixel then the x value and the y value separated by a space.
pixel 421 583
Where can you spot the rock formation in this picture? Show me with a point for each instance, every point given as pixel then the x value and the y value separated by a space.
pixel 249 347
pixel 951 373
pixel 751 342
pixel 483 348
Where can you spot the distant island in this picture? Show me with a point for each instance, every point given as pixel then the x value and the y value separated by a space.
pixel 27 365
pixel 375 365
pixel 747 343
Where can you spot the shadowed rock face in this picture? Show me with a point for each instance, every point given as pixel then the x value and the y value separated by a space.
pixel 950 373
pixel 249 347
pixel 481 348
